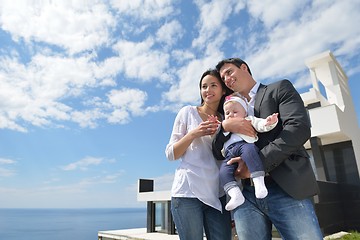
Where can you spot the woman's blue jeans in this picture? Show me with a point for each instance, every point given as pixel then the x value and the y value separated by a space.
pixel 192 217
pixel 294 219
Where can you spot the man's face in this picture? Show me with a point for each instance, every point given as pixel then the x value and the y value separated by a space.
pixel 233 76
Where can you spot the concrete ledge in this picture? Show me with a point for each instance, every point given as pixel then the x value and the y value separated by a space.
pixel 154 196
pixel 135 234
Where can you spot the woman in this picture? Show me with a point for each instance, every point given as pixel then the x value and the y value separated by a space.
pixel 195 202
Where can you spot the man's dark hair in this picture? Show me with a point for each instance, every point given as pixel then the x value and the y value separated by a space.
pixel 236 61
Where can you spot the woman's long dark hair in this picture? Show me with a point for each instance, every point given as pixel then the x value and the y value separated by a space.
pixel 215 73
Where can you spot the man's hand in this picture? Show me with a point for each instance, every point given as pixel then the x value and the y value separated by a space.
pixel 242 170
pixel 241 126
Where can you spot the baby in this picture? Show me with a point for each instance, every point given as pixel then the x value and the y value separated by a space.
pixel 241 145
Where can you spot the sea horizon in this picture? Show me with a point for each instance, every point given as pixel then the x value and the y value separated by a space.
pixel 66 223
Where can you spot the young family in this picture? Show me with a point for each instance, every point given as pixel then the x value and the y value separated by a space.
pixel 242 157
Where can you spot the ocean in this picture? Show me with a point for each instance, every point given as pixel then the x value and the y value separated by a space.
pixel 60 224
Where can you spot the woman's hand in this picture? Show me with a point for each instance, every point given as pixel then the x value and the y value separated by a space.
pixel 206 128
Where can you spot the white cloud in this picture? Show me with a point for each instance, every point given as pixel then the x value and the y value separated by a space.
pixel 83 164
pixel 187 89
pixel 52 88
pixel 209 26
pixel 111 178
pixel 87 118
pixel 126 101
pixel 273 12
pixel 183 56
pixel 170 32
pixel 6 161
pixel 323 27
pixel 144 9
pixel 141 62
pixel 99 179
pixel 212 22
pixel 35 92
pixel 73 25
pixel 120 116
pixel 6 123
pixel 5 172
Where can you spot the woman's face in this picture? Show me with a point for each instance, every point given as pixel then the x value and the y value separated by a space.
pixel 211 89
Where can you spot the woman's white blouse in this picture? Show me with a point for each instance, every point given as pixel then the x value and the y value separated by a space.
pixel 198 173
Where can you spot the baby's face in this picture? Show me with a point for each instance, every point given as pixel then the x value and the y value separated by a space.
pixel 234 110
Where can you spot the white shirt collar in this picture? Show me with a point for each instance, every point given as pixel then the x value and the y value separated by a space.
pixel 253 91
pixel 251 103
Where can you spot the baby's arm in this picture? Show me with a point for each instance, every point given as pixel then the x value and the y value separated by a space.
pixel 264 124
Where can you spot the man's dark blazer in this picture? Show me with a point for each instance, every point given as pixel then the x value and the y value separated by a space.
pixel 281 149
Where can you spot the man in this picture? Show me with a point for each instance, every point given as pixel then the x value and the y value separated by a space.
pixel 290 179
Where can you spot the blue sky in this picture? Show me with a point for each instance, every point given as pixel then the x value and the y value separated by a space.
pixel 89 89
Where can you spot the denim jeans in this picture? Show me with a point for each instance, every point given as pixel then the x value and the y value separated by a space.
pixel 192 217
pixel 294 219
pixel 248 152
